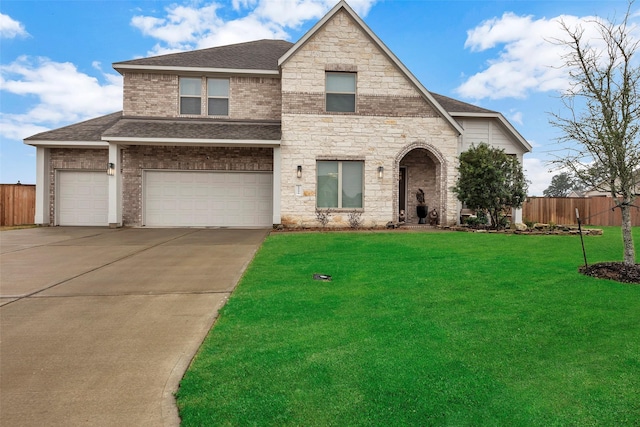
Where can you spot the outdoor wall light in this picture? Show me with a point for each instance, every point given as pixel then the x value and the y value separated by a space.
pixel 299 171
pixel 380 172
pixel 111 169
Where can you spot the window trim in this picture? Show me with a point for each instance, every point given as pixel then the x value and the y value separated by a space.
pixel 354 93
pixel 340 186
pixel 219 97
pixel 180 95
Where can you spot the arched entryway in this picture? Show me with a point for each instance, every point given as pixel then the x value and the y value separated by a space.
pixel 419 166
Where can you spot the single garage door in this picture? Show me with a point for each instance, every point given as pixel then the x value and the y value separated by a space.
pixel 83 198
pixel 204 199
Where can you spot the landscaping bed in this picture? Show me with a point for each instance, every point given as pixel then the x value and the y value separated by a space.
pixel 617 271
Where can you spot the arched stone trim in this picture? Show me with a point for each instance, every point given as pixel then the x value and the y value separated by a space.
pixel 443 166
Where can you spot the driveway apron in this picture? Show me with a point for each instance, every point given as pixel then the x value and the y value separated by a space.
pixel 97 325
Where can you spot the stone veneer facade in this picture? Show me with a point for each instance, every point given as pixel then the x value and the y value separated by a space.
pixel 392 119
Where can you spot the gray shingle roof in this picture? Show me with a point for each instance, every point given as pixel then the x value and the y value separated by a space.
pixel 115 125
pixel 256 55
pixel 89 130
pixel 194 129
pixel 455 106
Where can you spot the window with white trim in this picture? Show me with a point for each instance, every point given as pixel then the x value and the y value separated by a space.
pixel 190 95
pixel 340 184
pixel 218 97
pixel 340 92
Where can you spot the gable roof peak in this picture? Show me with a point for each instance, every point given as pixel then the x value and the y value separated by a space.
pixel 342 5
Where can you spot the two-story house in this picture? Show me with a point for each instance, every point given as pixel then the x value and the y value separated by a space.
pixel 263 133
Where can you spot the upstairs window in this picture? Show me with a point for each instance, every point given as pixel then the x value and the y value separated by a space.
pixel 340 184
pixel 218 97
pixel 340 92
pixel 190 95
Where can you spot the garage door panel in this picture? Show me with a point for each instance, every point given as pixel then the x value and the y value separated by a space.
pixel 205 198
pixel 82 198
pixel 219 192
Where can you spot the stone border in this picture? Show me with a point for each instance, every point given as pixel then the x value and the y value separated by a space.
pixel 562 230
pixel 558 230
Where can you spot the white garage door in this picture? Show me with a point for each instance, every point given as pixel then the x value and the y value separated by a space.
pixel 83 198
pixel 203 199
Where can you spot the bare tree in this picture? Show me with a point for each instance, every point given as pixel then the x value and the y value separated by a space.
pixel 603 113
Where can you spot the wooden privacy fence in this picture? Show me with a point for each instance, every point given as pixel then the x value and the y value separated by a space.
pixel 17 204
pixel 562 210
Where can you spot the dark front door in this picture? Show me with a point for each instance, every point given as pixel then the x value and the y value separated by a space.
pixel 402 190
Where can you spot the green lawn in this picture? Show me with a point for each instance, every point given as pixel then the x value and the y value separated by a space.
pixel 461 329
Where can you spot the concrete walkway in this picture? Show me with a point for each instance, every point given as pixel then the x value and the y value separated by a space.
pixel 97 326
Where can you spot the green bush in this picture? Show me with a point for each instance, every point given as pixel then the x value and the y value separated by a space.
pixel 479 220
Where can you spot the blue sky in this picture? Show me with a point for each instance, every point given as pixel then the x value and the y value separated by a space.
pixel 56 56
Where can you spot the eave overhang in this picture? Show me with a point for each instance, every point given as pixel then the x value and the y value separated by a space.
pixel 202 142
pixel 121 68
pixel 67 144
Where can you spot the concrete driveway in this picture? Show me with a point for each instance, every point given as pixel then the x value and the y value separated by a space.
pixel 97 325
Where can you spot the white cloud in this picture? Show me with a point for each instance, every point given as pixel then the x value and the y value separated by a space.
pixel 291 13
pixel 181 25
pixel 515 116
pixel 64 95
pixel 200 26
pixel 539 174
pixel 527 59
pixel 10 28
pixel 241 30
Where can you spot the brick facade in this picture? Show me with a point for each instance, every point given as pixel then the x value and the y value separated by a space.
pixel 254 98
pixel 72 159
pixel 157 95
pixel 150 95
pixel 137 159
pixel 366 105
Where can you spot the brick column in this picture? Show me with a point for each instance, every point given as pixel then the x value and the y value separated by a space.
pixel 115 187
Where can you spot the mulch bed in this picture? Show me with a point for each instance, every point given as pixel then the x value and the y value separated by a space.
pixel 617 271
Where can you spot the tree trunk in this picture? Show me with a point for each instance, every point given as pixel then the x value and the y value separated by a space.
pixel 627 238
pixel 493 217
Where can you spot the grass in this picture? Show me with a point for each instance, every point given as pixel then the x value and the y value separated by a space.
pixel 422 329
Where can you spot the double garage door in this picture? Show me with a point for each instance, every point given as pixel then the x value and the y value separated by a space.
pixel 196 199
pixel 172 199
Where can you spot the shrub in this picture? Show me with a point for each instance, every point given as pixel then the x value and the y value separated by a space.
pixel 479 220
pixel 355 219
pixel 323 216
